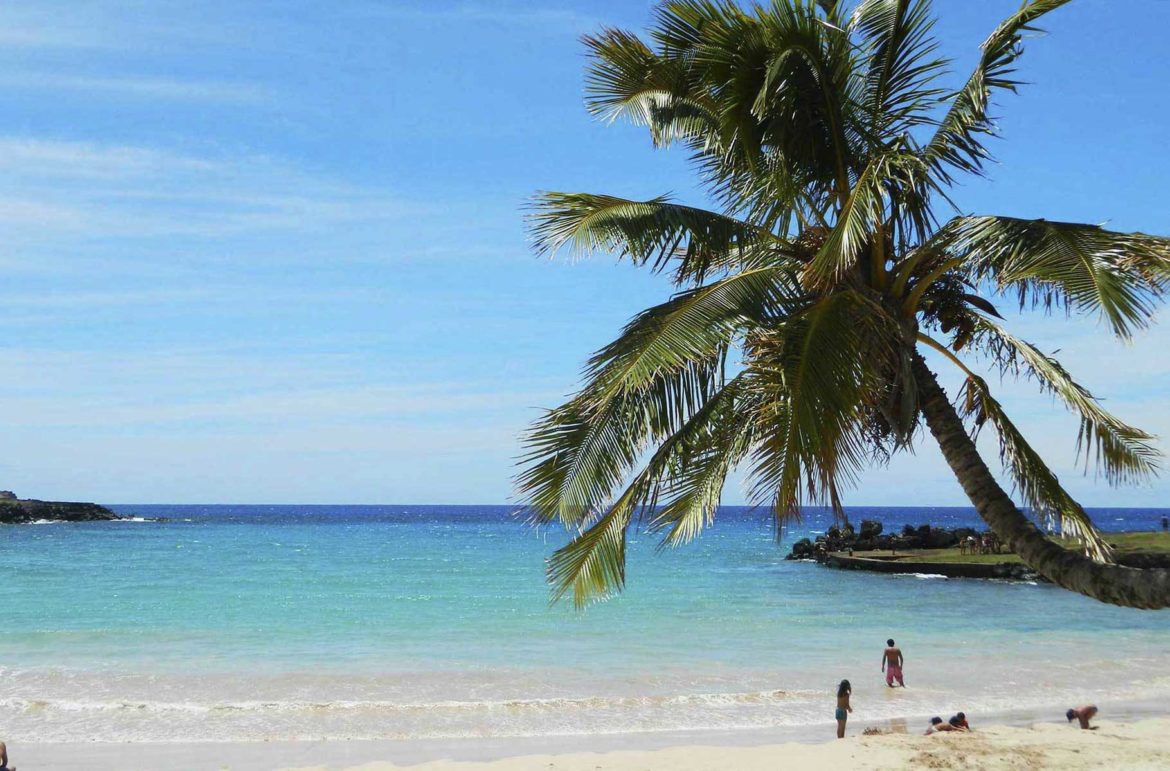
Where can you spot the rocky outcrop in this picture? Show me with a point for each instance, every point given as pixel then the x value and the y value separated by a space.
pixel 871 537
pixel 1004 570
pixel 17 511
pixel 836 549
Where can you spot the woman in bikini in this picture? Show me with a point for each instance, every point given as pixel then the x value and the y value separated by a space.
pixel 844 690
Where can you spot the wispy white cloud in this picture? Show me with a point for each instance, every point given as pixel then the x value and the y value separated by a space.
pixel 113 26
pixel 31 156
pixel 137 87
pixel 51 190
pixel 553 20
pixel 222 378
pixel 29 28
pixel 207 295
pixel 304 408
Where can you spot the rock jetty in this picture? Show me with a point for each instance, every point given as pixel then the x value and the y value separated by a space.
pixel 19 511
pixel 836 549
pixel 871 537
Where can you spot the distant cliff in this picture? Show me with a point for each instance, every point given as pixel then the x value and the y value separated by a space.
pixel 18 511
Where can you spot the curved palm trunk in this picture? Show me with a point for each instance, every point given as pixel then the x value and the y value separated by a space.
pixel 1114 584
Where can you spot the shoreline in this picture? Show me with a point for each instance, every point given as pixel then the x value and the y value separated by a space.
pixel 1136 728
pixel 1133 746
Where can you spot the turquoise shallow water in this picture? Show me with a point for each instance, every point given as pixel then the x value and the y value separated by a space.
pixel 241 623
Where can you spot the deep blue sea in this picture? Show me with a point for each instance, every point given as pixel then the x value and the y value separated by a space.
pixel 420 622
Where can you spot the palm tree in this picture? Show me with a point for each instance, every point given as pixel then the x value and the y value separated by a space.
pixel 823 136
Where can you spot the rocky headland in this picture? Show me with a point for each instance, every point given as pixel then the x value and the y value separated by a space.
pixel 961 552
pixel 871 537
pixel 20 511
pixel 907 551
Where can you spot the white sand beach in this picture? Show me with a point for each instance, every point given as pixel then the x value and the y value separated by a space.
pixel 1141 745
pixel 1136 746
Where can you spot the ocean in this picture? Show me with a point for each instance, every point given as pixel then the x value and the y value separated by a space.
pixel 251 623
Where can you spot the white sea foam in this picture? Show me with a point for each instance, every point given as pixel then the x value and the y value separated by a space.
pixel 46 720
pixel 43 705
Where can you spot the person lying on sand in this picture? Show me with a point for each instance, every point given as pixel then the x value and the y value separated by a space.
pixel 960 721
pixel 4 758
pixel 1082 713
pixel 937 725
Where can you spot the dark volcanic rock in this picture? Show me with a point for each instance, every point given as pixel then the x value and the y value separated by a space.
pixel 801 550
pixel 18 512
pixel 941 539
pixel 870 537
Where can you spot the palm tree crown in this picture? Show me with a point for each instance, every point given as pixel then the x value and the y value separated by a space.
pixel 824 136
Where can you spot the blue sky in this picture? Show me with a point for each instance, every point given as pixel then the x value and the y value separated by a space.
pixel 274 252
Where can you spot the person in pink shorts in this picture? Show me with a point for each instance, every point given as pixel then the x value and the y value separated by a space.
pixel 892 664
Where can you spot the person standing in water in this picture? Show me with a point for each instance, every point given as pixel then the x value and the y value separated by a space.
pixel 892 664
pixel 844 690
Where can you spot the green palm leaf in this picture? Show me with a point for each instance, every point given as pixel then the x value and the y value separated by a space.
pixel 1083 267
pixel 656 232
pixel 1125 454
pixel 592 565
pixel 900 63
pixel 1035 482
pixel 627 80
pixel 957 142
pixel 816 387
pixel 695 486
pixel 694 325
pixel 883 179
pixel 642 386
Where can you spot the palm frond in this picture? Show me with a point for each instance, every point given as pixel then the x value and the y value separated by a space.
pixel 592 564
pixel 627 80
pixel 580 453
pixel 575 456
pixel 693 242
pixel 957 143
pixel 1052 264
pixel 1035 482
pixel 1124 454
pixel 640 388
pixel 900 64
pixel 694 325
pixel 887 178
pixel 854 226
pixel 695 486
pixel 783 80
pixel 818 376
